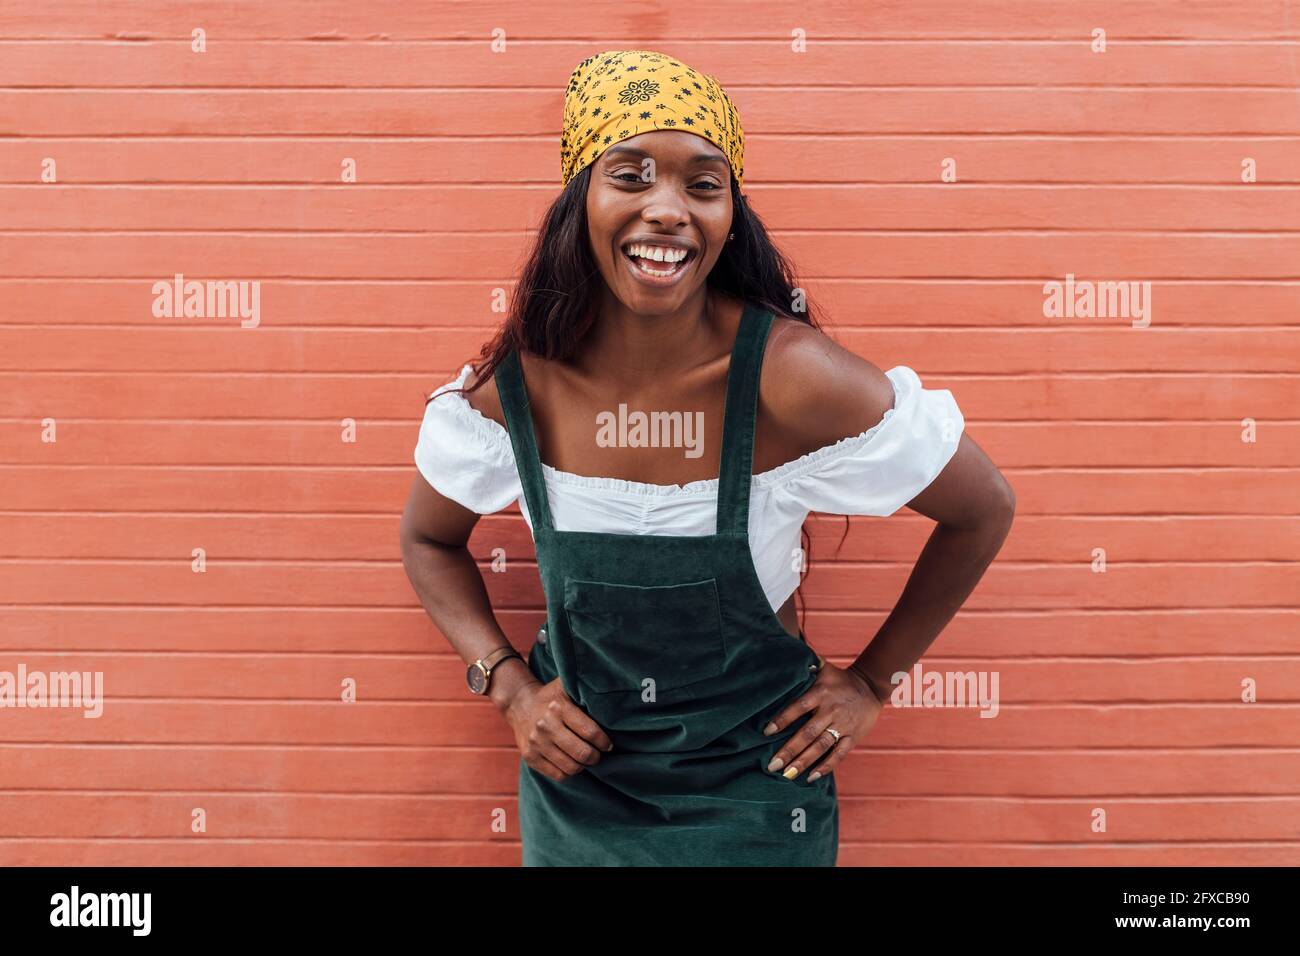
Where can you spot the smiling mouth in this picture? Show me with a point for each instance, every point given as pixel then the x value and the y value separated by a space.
pixel 657 268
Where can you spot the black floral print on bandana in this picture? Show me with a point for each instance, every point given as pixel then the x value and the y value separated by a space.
pixel 622 93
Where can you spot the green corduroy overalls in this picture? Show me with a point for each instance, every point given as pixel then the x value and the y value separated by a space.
pixel 670 645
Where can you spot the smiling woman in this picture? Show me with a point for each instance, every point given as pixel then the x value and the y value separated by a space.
pixel 619 224
pixel 671 704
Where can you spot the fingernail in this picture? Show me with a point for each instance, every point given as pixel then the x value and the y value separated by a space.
pixel 792 772
pixel 776 764
pixel 769 729
pixel 814 775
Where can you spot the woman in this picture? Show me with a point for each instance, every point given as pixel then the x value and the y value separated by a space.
pixel 670 710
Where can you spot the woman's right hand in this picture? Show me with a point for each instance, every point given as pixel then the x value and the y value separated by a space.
pixel 555 736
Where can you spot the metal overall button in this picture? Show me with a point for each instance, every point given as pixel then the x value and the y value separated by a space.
pixel 541 635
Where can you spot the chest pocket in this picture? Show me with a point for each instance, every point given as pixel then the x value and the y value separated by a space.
pixel 623 634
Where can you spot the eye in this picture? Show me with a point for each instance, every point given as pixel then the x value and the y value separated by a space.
pixel 709 183
pixel 635 177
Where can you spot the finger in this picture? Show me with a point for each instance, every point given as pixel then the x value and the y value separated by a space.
pixel 574 747
pixel 800 739
pixel 810 744
pixel 562 745
pixel 581 724
pixel 561 757
pixel 545 767
pixel 547 738
pixel 831 760
pixel 543 742
pixel 793 711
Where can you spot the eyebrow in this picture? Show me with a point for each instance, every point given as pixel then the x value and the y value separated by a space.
pixel 697 158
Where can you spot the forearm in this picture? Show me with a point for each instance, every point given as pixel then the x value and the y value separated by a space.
pixel 451 589
pixel 949 567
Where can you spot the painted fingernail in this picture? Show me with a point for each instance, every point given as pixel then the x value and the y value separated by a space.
pixel 814 775
pixel 792 772
pixel 769 729
pixel 776 764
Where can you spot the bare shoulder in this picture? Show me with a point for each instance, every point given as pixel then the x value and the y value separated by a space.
pixel 542 376
pixel 484 399
pixel 814 391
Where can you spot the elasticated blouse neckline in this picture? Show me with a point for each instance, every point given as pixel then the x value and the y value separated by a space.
pixel 496 434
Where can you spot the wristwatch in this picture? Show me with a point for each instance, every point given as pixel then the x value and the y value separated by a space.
pixel 479 674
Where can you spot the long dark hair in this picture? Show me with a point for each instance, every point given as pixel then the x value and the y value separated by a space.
pixel 553 306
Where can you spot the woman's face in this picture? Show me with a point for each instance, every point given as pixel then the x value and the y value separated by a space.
pixel 652 199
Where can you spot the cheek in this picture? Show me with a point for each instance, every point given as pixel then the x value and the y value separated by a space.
pixel 599 230
pixel 716 228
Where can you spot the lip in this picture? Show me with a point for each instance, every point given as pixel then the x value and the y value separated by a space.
pixel 660 282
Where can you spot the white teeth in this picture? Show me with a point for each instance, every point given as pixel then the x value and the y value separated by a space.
pixel 657 253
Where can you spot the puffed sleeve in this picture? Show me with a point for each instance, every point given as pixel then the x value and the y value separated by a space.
pixel 883 468
pixel 465 455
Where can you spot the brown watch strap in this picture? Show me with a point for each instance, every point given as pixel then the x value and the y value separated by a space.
pixel 496 657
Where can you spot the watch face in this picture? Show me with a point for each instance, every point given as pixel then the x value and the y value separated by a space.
pixel 476 679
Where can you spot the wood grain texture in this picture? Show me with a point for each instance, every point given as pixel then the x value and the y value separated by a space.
pixel 1118 690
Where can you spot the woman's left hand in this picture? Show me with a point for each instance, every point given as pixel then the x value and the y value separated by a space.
pixel 840 699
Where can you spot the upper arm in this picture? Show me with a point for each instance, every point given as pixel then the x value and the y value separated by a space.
pixel 464 465
pixel 430 516
pixel 969 490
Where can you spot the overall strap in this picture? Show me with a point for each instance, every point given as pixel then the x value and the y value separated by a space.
pixel 737 467
pixel 509 377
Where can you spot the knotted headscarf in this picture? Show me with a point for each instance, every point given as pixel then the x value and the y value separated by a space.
pixel 617 94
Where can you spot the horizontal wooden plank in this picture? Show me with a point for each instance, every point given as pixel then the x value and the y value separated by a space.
pixel 514 161
pixel 1069 632
pixel 1198 725
pixel 1084 853
pixel 205 850
pixel 314 489
pixel 964 205
pixel 428 677
pixel 829 61
pixel 147 112
pixel 1148 397
pixel 172 346
pixel 1129 257
pixel 1034 538
pixel 380 443
pixel 391 19
pixel 989 305
pixel 1205 583
pixel 134 395
pixel 208 850
pixel 472 771
pixel 919 818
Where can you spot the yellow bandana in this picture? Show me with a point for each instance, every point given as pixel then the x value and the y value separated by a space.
pixel 619 93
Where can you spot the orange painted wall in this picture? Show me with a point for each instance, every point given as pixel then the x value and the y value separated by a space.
pixel 1119 690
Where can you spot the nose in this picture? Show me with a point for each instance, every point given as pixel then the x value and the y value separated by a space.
pixel 665 205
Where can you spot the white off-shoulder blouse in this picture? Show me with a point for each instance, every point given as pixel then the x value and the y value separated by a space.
pixel 467 457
